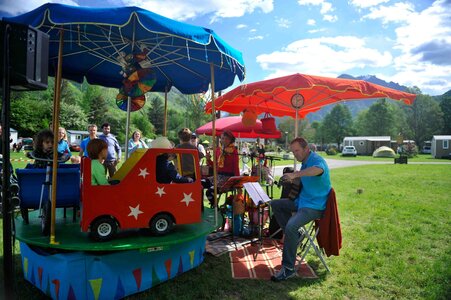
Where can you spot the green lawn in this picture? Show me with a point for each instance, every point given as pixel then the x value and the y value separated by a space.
pixel 396 244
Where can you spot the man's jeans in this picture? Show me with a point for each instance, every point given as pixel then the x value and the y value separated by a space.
pixel 110 166
pixel 290 221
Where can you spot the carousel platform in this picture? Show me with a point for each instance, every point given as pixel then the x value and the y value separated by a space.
pixel 78 268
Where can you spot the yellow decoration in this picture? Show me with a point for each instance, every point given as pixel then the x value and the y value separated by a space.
pixel 249 117
pixel 95 286
pixel 191 257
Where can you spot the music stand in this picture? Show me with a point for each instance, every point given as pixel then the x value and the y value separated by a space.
pixel 232 184
pixel 261 200
pixel 236 182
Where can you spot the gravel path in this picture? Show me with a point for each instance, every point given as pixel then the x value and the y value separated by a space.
pixel 338 163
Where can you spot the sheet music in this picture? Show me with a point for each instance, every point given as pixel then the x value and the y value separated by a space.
pixel 256 193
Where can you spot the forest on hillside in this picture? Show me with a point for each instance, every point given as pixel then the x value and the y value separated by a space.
pixel 83 104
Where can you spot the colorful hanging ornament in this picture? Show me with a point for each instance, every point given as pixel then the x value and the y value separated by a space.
pixel 249 117
pixel 138 81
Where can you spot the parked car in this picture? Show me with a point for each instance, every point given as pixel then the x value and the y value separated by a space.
pixel 74 147
pixel 24 144
pixel 427 147
pixel 349 151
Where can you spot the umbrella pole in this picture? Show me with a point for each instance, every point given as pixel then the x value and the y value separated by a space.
pixel 55 120
pixel 213 133
pixel 127 127
pixel 165 128
pixel 296 121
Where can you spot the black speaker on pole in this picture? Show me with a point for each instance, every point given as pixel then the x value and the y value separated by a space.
pixel 28 56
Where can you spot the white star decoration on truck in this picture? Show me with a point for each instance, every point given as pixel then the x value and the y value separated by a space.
pixel 187 198
pixel 160 191
pixel 134 211
pixel 143 172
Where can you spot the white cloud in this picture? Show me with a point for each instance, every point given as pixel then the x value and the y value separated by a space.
pixel 311 22
pixel 328 56
pixel 317 30
pixel 187 9
pixel 284 23
pixel 241 26
pixel 257 37
pixel 330 18
pixel 424 40
pixel 366 3
pixel 16 7
pixel 325 10
pixel 398 13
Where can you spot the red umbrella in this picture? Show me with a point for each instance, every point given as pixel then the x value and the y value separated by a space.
pixel 298 94
pixel 235 125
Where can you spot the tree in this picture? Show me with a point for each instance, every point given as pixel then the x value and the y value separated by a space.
pixel 141 122
pixel 73 117
pixel 96 104
pixel 194 105
pixel 380 119
pixel 445 105
pixel 319 136
pixel 70 94
pixel 337 124
pixel 424 118
pixel 156 113
pixel 29 116
pixel 359 123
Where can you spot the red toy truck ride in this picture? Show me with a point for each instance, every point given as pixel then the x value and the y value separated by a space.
pixel 138 200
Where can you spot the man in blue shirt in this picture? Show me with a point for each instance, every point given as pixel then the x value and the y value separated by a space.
pixel 114 150
pixel 92 129
pixel 309 204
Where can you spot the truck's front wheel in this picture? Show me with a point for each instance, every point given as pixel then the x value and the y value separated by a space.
pixel 103 229
pixel 161 224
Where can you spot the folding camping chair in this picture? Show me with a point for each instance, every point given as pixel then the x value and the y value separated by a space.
pixel 308 240
pixel 328 242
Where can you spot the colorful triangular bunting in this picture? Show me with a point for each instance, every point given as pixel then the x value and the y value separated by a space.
pixel 138 276
pixel 95 286
pixel 71 294
pixel 120 291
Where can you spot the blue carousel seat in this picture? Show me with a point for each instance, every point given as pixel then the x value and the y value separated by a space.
pixel 32 180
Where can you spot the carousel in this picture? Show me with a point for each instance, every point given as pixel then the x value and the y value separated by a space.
pixel 80 241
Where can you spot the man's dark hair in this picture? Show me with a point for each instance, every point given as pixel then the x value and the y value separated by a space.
pixel 184 135
pixel 301 141
pixel 95 146
pixel 106 124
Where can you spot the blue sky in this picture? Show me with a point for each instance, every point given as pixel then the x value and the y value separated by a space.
pixel 406 41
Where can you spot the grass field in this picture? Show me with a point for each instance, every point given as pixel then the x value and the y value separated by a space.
pixel 396 244
pixel 19 159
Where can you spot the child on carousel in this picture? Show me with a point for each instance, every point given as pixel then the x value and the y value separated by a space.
pixel 227 164
pixel 43 150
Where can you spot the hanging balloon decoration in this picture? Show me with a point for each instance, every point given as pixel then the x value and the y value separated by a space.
pixel 138 81
pixel 249 117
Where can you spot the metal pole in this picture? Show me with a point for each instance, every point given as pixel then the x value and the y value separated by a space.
pixel 295 133
pixel 127 126
pixel 8 262
pixel 213 133
pixel 165 126
pixel 56 112
pixel 286 140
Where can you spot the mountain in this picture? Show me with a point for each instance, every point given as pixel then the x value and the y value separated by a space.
pixel 356 106
pixel 375 80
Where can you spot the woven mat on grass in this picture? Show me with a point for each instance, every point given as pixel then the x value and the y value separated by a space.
pixel 221 242
pixel 268 261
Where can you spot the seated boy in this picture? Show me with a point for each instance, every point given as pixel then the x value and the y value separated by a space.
pixel 97 151
pixel 166 171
